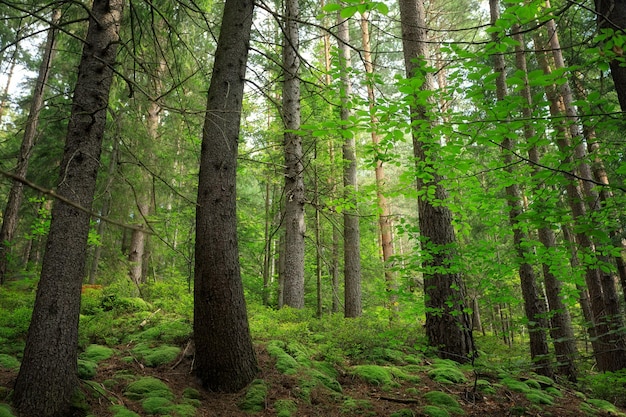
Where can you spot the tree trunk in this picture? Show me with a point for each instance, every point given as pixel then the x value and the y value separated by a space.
pixel 384 216
pixel 295 226
pixel 10 215
pixel 447 324
pixel 351 233
pixel 11 71
pixel 612 15
pixel 48 380
pixel 534 306
pixel 225 359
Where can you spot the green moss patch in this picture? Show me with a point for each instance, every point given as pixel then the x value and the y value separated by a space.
pixel 374 374
pixel 354 406
pixel 171 331
pixel 604 406
pixel 155 356
pixel 285 408
pixel 254 400
pixel 447 375
pixel 539 397
pixel 86 369
pixel 434 411
pixel 156 405
pixel 285 363
pixel 444 401
pixel 97 353
pixel 5 411
pixel 191 393
pixel 121 411
pixel 8 362
pixel 405 412
pixel 148 387
pixel 515 385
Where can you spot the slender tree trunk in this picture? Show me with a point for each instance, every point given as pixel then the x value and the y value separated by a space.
pixel 267 251
pixel 351 233
pixel 4 98
pixel 534 306
pixel 225 359
pixel 384 216
pixel 610 351
pixel 295 226
pixel 48 379
pixel 10 215
pixel 447 324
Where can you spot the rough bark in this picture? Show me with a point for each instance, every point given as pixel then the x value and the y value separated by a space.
pixel 351 233
pixel 612 15
pixel 10 216
pixel 447 325
pixel 48 378
pixel 225 359
pixel 295 227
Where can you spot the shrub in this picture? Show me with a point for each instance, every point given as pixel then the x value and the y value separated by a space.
pixel 609 386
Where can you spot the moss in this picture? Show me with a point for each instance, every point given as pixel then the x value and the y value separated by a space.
pixel 533 383
pixel 192 401
pixel 285 363
pixel 8 362
pixel 358 407
pixel 5 411
pixel 555 392
pixel 285 408
pixel 86 369
pixel 443 400
pixel 412 391
pixel 515 385
pixel 192 393
pixel 400 373
pixel 171 331
pixel 539 397
pixel 373 374
pixel 181 410
pixel 97 353
pixel 121 411
pixel 405 412
pixel 543 380
pixel 156 405
pixel 124 304
pixel 447 375
pixel 603 405
pixel 148 387
pixel 155 356
pixel 254 400
pixel 434 411
pixel 485 386
pixel 327 381
pixel 325 368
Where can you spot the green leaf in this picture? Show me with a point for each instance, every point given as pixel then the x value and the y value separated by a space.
pixel 348 12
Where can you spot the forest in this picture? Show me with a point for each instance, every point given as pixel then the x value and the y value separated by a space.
pixel 297 208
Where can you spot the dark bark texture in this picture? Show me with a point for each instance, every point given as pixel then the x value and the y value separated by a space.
pixel 48 381
pixel 612 15
pixel 225 359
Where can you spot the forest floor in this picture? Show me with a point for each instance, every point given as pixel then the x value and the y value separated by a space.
pixel 137 360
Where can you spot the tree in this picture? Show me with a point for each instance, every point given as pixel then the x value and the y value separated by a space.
pixel 612 16
pixel 447 323
pixel 225 359
pixel 295 226
pixel 10 215
pixel 351 232
pixel 48 381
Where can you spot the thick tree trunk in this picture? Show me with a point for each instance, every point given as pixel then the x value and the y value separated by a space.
pixel 447 324
pixel 48 380
pixel 225 359
pixel 10 215
pixel 612 15
pixel 534 306
pixel 295 227
pixel 351 233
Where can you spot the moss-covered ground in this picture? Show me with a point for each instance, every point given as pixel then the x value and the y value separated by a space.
pixel 136 359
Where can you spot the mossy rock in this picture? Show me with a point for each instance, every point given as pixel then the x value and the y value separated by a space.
pixel 373 374
pixel 434 411
pixel 181 410
pixel 555 392
pixel 400 373
pixel 447 375
pixel 156 405
pixel 354 406
pixel 192 402
pixel 155 356
pixel 543 380
pixel 539 397
pixel 8 362
pixel 192 393
pixel 86 369
pixel 121 411
pixel 445 401
pixel 97 353
pixel 147 387
pixel 254 400
pixel 533 383
pixel 171 331
pixel 285 408
pixel 325 368
pixel 5 411
pixel 285 363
